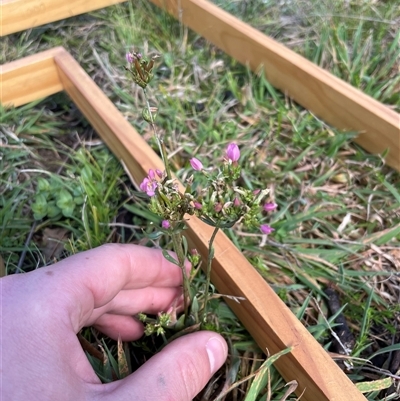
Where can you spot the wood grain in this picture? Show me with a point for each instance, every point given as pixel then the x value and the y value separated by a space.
pixel 31 78
pixel 18 15
pixel 267 318
pixel 327 96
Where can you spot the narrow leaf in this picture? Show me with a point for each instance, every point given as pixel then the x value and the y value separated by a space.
pixel 169 257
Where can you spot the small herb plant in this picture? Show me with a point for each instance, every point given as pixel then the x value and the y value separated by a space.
pixel 221 203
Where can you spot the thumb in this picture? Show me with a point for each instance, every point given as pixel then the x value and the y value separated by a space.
pixel 179 372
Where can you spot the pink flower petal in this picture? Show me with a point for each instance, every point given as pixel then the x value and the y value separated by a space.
pixel 270 206
pixel 233 152
pixel 129 58
pixel 196 164
pixel 266 229
pixel 197 205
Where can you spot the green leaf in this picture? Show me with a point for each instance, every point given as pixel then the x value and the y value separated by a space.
pixel 68 210
pixel 87 174
pixel 52 210
pixel 376 385
pixel 185 245
pixel 195 306
pixel 39 207
pixel 64 199
pixel 395 192
pixel 212 252
pixel 180 324
pixel 43 185
pixel 169 257
pixel 79 200
pixel 390 348
pixel 261 378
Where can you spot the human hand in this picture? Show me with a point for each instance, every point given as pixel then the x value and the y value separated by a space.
pixel 43 310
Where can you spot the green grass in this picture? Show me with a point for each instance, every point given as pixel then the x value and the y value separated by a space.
pixel 338 221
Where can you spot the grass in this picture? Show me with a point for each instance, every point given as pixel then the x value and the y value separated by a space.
pixel 338 222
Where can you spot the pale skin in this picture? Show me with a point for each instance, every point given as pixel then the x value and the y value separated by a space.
pixel 42 311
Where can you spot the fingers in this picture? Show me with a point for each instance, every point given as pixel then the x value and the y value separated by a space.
pixel 131 302
pixel 116 326
pixel 179 372
pixel 110 319
pixel 92 279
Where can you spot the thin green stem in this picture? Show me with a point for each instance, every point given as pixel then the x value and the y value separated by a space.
pixel 209 262
pixel 160 142
pixel 177 241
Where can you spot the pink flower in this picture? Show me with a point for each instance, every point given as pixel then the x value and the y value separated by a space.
pixel 197 205
pixel 149 184
pixel 152 174
pixel 218 207
pixel 266 229
pixel 196 164
pixel 129 58
pixel 268 207
pixel 236 202
pixel 159 173
pixel 165 224
pixel 233 152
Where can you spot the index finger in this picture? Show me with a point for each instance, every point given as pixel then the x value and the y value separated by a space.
pixel 108 269
pixel 93 278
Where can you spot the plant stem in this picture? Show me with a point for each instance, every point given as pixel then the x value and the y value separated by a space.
pixel 209 262
pixel 160 142
pixel 177 241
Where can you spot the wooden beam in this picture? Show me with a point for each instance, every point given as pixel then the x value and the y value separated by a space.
pixel 267 318
pixel 327 96
pixel 18 15
pixel 31 78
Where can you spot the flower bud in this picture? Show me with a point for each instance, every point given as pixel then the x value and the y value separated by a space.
pixel 196 164
pixel 165 224
pixel 233 152
pixel 197 205
pixel 236 202
pixel 129 58
pixel 266 229
pixel 218 207
pixel 152 175
pixel 268 207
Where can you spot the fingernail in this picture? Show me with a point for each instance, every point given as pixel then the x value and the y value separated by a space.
pixel 216 351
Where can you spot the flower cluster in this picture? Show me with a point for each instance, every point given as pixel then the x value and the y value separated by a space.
pixel 221 203
pixel 166 200
pixel 140 68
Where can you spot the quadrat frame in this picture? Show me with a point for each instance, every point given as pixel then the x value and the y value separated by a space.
pixel 271 323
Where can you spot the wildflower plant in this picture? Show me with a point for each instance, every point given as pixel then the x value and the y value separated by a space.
pixel 221 203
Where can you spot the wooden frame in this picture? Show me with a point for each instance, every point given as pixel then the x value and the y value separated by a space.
pixel 266 317
pixel 18 15
pixel 328 97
